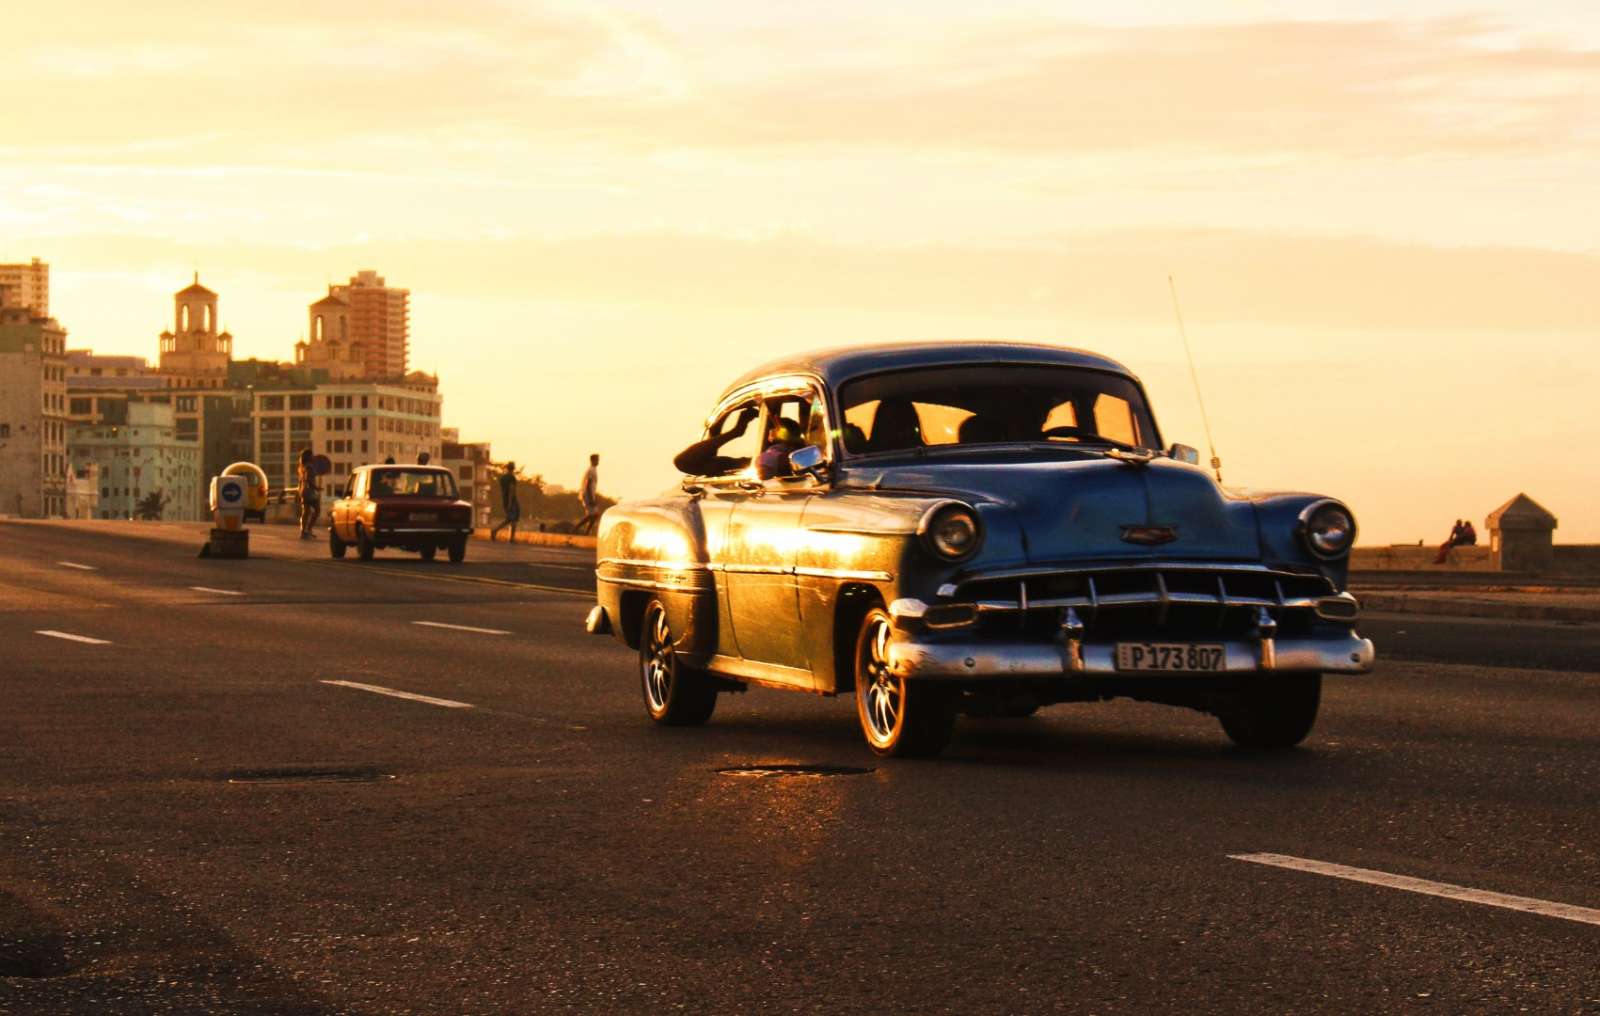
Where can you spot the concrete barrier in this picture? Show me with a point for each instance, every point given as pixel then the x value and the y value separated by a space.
pixel 539 539
pixel 1411 557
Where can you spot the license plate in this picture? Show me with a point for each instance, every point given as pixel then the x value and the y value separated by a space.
pixel 1170 657
pixel 424 516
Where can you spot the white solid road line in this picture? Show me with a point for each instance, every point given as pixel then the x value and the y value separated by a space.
pixel 80 567
pixel 408 696
pixel 1565 911
pixel 219 592
pixel 72 638
pixel 461 627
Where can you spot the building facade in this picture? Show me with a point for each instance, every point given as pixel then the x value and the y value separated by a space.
pixel 140 457
pixel 352 423
pixel 380 323
pixel 474 470
pixel 33 406
pixel 26 286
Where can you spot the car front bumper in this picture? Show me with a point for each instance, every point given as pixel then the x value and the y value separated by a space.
pixel 956 659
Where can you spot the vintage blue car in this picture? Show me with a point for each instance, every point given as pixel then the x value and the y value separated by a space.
pixel 979 528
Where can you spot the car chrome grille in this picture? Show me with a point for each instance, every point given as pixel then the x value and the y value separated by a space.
pixel 1178 602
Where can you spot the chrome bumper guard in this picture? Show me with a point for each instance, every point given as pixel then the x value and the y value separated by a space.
pixel 960 660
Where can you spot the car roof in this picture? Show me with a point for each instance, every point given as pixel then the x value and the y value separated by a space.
pixel 410 466
pixel 839 364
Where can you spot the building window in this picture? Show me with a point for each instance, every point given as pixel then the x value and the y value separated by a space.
pixel 301 402
pixel 272 403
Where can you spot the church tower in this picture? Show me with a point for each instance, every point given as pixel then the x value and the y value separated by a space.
pixel 330 347
pixel 195 354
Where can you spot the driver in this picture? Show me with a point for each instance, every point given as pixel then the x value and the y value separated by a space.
pixel 782 438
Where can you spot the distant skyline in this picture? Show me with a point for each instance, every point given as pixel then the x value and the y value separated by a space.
pixel 1385 230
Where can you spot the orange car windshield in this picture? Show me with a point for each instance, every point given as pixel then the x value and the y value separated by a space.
pixel 411 483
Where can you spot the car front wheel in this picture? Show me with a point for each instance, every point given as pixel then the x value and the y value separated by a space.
pixel 365 548
pixel 336 546
pixel 903 718
pixel 675 695
pixel 1274 712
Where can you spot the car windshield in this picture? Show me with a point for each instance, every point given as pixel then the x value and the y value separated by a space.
pixel 1001 404
pixel 402 482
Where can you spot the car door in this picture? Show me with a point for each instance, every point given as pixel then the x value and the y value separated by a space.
pixel 344 510
pixel 763 542
pixel 716 490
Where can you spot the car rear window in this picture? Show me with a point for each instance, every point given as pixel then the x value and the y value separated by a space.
pixel 402 482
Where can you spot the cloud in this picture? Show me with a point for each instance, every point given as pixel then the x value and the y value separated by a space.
pixel 301 74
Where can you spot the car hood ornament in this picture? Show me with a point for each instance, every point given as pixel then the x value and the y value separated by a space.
pixel 1149 535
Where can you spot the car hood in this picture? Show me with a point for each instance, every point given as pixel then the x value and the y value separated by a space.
pixel 1068 508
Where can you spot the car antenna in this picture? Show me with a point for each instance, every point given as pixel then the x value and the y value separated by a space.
pixel 1216 463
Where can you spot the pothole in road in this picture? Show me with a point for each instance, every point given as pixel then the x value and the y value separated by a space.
pixel 781 771
pixel 309 774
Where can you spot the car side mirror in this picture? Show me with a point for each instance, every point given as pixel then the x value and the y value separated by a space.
pixel 1183 453
pixel 808 461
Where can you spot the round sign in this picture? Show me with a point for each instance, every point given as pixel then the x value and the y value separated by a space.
pixel 231 492
pixel 320 464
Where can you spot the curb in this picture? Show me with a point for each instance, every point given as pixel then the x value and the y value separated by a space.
pixel 1411 603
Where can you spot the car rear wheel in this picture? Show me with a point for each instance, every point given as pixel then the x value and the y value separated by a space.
pixel 336 546
pixel 429 552
pixel 458 550
pixel 675 695
pixel 1273 712
pixel 902 718
pixel 364 545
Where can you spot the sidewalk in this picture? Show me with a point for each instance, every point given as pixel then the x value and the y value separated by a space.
pixel 1524 603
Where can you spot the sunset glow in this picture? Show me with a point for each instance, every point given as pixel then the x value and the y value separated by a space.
pixel 1383 231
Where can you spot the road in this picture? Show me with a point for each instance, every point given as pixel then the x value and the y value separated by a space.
pixel 210 809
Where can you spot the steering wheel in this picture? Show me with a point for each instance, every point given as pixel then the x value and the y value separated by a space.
pixel 1071 432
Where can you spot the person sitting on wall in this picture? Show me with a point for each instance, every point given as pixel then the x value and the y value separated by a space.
pixel 1454 541
pixel 1469 535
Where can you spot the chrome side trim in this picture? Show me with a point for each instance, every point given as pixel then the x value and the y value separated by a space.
pixel 845 573
pixel 436 530
pixel 648 584
pixel 753 569
pixel 634 562
pixel 862 530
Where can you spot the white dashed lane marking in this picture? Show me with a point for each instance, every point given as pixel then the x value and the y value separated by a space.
pixel 408 696
pixel 1527 904
pixel 80 567
pixel 462 627
pixel 72 638
pixel 219 592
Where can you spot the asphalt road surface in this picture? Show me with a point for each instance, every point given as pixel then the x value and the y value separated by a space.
pixel 218 806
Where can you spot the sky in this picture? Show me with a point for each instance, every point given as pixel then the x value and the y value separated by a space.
pixel 1384 229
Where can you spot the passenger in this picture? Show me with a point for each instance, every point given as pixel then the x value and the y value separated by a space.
pixel 782 439
pixel 382 484
pixel 701 458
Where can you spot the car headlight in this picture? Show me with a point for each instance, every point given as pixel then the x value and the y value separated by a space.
pixel 1328 529
pixel 951 530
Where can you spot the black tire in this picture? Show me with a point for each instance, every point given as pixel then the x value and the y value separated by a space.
pixel 905 719
pixel 1274 712
pixel 428 553
pixel 675 695
pixel 458 551
pixel 364 545
pixel 336 546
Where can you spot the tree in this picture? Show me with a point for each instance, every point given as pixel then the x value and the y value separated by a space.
pixel 152 505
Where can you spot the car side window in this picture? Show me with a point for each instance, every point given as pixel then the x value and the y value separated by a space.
pixel 730 445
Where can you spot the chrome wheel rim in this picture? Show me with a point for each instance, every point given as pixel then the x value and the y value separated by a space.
pixel 657 663
pixel 884 695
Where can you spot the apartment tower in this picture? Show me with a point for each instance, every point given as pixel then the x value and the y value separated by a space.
pixel 379 323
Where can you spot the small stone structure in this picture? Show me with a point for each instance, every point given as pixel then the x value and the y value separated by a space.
pixel 1521 536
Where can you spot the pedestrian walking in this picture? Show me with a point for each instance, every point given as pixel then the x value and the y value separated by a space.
pixel 310 497
pixel 589 496
pixel 508 502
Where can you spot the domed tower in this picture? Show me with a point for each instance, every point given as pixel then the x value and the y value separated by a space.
pixel 194 354
pixel 330 347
